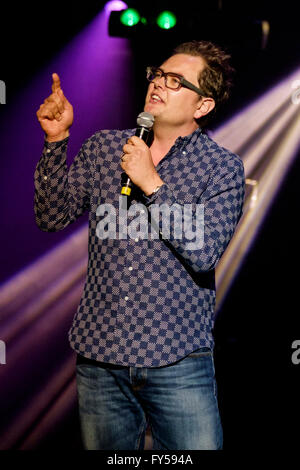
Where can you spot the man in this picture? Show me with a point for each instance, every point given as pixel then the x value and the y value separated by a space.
pixel 143 328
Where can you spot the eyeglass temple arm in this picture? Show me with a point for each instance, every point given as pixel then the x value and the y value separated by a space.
pixel 191 86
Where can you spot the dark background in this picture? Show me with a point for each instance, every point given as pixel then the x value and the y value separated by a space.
pixel 258 384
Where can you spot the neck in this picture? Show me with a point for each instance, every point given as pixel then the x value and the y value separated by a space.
pixel 165 136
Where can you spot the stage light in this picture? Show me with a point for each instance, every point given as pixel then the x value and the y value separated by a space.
pixel 130 17
pixel 166 20
pixel 115 5
pixel 251 134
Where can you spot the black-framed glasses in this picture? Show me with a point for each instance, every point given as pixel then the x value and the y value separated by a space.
pixel 174 81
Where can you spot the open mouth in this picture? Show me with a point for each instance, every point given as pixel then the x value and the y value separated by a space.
pixel 154 98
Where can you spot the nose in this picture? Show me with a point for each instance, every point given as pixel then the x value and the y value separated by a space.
pixel 159 82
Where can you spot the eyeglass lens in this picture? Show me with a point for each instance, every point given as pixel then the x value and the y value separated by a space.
pixel 171 81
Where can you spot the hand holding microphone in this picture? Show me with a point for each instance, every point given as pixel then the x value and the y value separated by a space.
pixel 137 159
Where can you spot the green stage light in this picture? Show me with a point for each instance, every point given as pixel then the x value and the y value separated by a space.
pixel 166 20
pixel 130 17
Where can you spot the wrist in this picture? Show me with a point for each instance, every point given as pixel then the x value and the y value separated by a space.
pixel 58 137
pixel 153 188
pixel 155 191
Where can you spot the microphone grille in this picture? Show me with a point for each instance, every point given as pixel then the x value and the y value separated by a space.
pixel 145 120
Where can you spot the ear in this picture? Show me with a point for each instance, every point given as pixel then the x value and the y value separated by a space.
pixel 205 106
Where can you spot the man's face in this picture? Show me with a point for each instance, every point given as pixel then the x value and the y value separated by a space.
pixel 171 107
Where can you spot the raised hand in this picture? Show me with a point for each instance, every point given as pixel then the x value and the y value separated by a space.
pixel 55 115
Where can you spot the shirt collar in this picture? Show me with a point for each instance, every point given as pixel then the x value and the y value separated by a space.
pixel 190 138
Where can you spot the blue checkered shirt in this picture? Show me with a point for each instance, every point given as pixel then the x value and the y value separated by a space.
pixel 147 302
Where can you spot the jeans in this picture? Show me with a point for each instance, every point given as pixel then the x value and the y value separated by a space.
pixel 179 402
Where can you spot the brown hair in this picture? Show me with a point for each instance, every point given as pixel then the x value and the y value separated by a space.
pixel 216 79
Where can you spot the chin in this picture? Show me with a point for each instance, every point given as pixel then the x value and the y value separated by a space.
pixel 150 108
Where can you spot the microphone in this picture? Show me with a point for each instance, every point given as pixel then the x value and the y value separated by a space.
pixel 145 123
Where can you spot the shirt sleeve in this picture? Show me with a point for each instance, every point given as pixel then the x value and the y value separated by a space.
pixel 208 225
pixel 61 194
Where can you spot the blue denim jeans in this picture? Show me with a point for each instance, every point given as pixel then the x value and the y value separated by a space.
pixel 178 401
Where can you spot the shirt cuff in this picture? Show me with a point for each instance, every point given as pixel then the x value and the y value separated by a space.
pixel 55 145
pixel 163 195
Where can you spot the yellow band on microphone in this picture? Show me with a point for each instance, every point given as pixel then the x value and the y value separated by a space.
pixel 126 190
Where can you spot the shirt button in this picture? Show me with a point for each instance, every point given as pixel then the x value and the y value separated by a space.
pixel 45 178
pixel 130 268
pixel 48 151
pixel 136 239
pixel 126 298
pixel 184 152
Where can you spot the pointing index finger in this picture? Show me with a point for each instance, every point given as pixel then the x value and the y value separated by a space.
pixel 55 83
